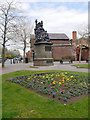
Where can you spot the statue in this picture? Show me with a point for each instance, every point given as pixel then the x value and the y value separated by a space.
pixel 40 34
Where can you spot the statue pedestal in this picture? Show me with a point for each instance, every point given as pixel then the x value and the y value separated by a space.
pixel 43 54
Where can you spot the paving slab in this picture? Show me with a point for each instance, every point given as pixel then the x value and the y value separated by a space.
pixel 29 66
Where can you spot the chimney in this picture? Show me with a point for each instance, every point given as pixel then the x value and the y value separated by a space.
pixel 74 35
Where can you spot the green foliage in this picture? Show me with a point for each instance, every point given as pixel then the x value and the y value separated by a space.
pixel 11 53
pixel 82 65
pixel 19 102
pixel 71 90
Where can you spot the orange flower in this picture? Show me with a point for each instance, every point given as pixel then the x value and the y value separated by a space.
pixel 62 81
pixel 53 82
pixel 51 75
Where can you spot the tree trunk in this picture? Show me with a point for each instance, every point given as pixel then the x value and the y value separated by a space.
pixel 4 40
pixel 3 55
pixel 24 50
pixel 80 54
pixel 75 55
pixel 24 55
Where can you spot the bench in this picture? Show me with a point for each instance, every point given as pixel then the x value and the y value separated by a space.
pixel 66 60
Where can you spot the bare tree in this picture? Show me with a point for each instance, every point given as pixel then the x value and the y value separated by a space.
pixel 82 38
pixel 8 16
pixel 23 31
pixel 83 32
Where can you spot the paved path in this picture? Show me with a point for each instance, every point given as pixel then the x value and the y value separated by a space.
pixel 29 66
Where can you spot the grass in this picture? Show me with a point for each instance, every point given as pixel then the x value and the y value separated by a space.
pixel 82 65
pixel 19 102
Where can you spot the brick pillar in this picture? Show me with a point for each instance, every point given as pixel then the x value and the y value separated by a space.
pixel 74 35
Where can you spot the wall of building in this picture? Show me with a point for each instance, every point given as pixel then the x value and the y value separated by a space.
pixel 60 41
pixel 84 53
pixel 59 52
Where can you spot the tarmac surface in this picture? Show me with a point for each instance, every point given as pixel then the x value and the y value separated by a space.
pixel 29 66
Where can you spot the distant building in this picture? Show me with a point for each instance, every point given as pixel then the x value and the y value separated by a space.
pixel 85 47
pixel 61 45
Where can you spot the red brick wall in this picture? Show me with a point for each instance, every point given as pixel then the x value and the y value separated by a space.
pixel 59 52
pixel 84 54
pixel 60 42
pixel 74 35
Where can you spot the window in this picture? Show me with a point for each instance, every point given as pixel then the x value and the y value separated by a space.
pixel 47 48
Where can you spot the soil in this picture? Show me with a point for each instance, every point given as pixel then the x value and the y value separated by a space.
pixel 75 88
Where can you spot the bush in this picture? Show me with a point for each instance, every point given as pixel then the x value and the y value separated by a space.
pixel 56 59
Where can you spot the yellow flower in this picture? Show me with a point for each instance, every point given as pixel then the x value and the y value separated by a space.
pixel 65 72
pixel 53 82
pixel 34 76
pixel 58 75
pixel 51 75
pixel 72 76
pixel 60 83
pixel 67 78
pixel 62 73
pixel 28 78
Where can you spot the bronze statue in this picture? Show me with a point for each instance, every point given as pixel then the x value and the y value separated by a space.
pixel 40 34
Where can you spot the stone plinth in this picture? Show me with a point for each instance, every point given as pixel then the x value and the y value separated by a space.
pixel 43 54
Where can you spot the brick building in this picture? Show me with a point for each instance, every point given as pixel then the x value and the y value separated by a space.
pixel 61 45
pixel 85 48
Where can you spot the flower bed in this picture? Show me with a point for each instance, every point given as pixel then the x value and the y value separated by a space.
pixel 61 86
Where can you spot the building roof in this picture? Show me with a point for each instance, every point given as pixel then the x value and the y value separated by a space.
pixel 58 36
pixel 54 36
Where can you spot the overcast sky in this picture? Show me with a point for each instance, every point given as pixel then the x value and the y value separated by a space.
pixel 57 17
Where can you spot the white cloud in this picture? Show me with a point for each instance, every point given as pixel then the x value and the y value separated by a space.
pixel 60 19
pixel 55 0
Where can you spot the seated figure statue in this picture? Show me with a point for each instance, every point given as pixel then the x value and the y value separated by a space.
pixel 40 33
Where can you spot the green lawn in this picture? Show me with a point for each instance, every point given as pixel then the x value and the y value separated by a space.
pixel 19 102
pixel 82 65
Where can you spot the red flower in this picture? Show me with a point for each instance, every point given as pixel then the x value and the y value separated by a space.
pixel 63 90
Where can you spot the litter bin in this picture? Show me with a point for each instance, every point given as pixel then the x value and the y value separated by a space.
pixel 26 60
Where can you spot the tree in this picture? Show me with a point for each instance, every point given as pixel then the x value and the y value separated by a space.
pixel 7 23
pixel 83 32
pixel 11 53
pixel 23 31
pixel 82 38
